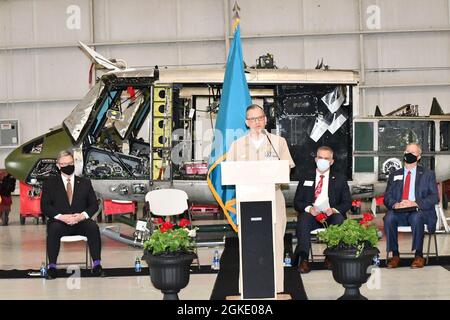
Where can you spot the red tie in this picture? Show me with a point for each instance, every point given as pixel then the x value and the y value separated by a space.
pixel 318 190
pixel 406 186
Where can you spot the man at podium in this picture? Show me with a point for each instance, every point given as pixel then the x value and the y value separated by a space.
pixel 259 145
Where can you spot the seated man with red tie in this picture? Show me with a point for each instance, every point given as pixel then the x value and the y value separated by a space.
pixel 318 192
pixel 410 197
pixel 69 202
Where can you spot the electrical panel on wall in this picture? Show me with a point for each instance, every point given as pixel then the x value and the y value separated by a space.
pixel 9 133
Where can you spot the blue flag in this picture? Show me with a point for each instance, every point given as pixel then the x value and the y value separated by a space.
pixel 230 125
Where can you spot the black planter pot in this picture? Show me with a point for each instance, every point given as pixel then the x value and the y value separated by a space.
pixel 169 273
pixel 351 271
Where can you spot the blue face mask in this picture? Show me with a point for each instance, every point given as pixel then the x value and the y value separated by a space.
pixel 323 164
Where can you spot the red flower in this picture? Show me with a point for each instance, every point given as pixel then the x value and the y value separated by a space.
pixel 159 220
pixel 321 217
pixel 166 226
pixel 184 223
pixel 367 216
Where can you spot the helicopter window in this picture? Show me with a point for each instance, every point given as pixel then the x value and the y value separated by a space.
pixel 394 135
pixel 34 146
pixel 364 143
pixel 104 108
pixel 445 135
pixel 142 117
pixel 129 104
pixel 364 164
pixel 78 118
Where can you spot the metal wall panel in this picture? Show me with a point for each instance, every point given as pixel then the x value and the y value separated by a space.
pixel 389 99
pixel 407 50
pixel 337 52
pixel 45 74
pixel 282 50
pixel 33 120
pixel 269 17
pixel 4 76
pixel 136 20
pixel 44 22
pixel 201 18
pixel 406 14
pixel 330 15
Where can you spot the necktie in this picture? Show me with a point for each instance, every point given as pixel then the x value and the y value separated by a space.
pixel 406 186
pixel 69 191
pixel 318 190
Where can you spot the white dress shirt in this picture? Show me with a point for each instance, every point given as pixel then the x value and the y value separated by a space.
pixel 72 183
pixel 324 193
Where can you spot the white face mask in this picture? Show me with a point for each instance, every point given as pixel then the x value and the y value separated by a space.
pixel 323 164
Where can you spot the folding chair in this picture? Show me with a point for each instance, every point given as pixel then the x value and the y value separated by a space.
pixel 67 239
pixel 314 238
pixel 407 229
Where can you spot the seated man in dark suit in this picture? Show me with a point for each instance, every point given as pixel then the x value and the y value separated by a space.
pixel 69 202
pixel 410 197
pixel 315 188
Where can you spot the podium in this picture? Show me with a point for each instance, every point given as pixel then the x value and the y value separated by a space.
pixel 255 208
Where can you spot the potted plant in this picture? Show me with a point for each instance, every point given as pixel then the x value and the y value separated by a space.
pixel 169 253
pixel 351 248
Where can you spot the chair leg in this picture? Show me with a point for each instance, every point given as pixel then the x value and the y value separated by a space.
pixel 428 248
pixel 198 258
pixel 387 257
pixel 311 251
pixel 87 257
pixel 436 246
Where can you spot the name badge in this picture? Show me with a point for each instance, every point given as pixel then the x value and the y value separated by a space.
pixel 308 183
pixel 398 178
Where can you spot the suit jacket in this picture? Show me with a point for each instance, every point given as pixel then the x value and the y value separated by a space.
pixel 425 190
pixel 54 199
pixel 338 193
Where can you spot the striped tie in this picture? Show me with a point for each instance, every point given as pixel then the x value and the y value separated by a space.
pixel 318 190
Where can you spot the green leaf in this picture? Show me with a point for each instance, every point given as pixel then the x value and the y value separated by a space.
pixel 171 241
pixel 349 234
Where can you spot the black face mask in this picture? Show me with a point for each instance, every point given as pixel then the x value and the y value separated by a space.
pixel 409 158
pixel 68 169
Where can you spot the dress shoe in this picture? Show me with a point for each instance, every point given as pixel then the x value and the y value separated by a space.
pixel 394 262
pixel 97 271
pixel 328 264
pixel 51 273
pixel 418 262
pixel 304 267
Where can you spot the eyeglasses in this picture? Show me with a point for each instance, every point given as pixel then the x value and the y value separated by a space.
pixel 254 119
pixel 62 164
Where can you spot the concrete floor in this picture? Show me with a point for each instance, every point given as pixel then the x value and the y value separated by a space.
pixel 23 247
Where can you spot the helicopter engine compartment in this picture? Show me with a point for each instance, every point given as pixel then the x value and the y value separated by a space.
pixel 102 164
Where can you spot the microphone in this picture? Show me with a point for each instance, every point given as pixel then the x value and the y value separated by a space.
pixel 264 131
